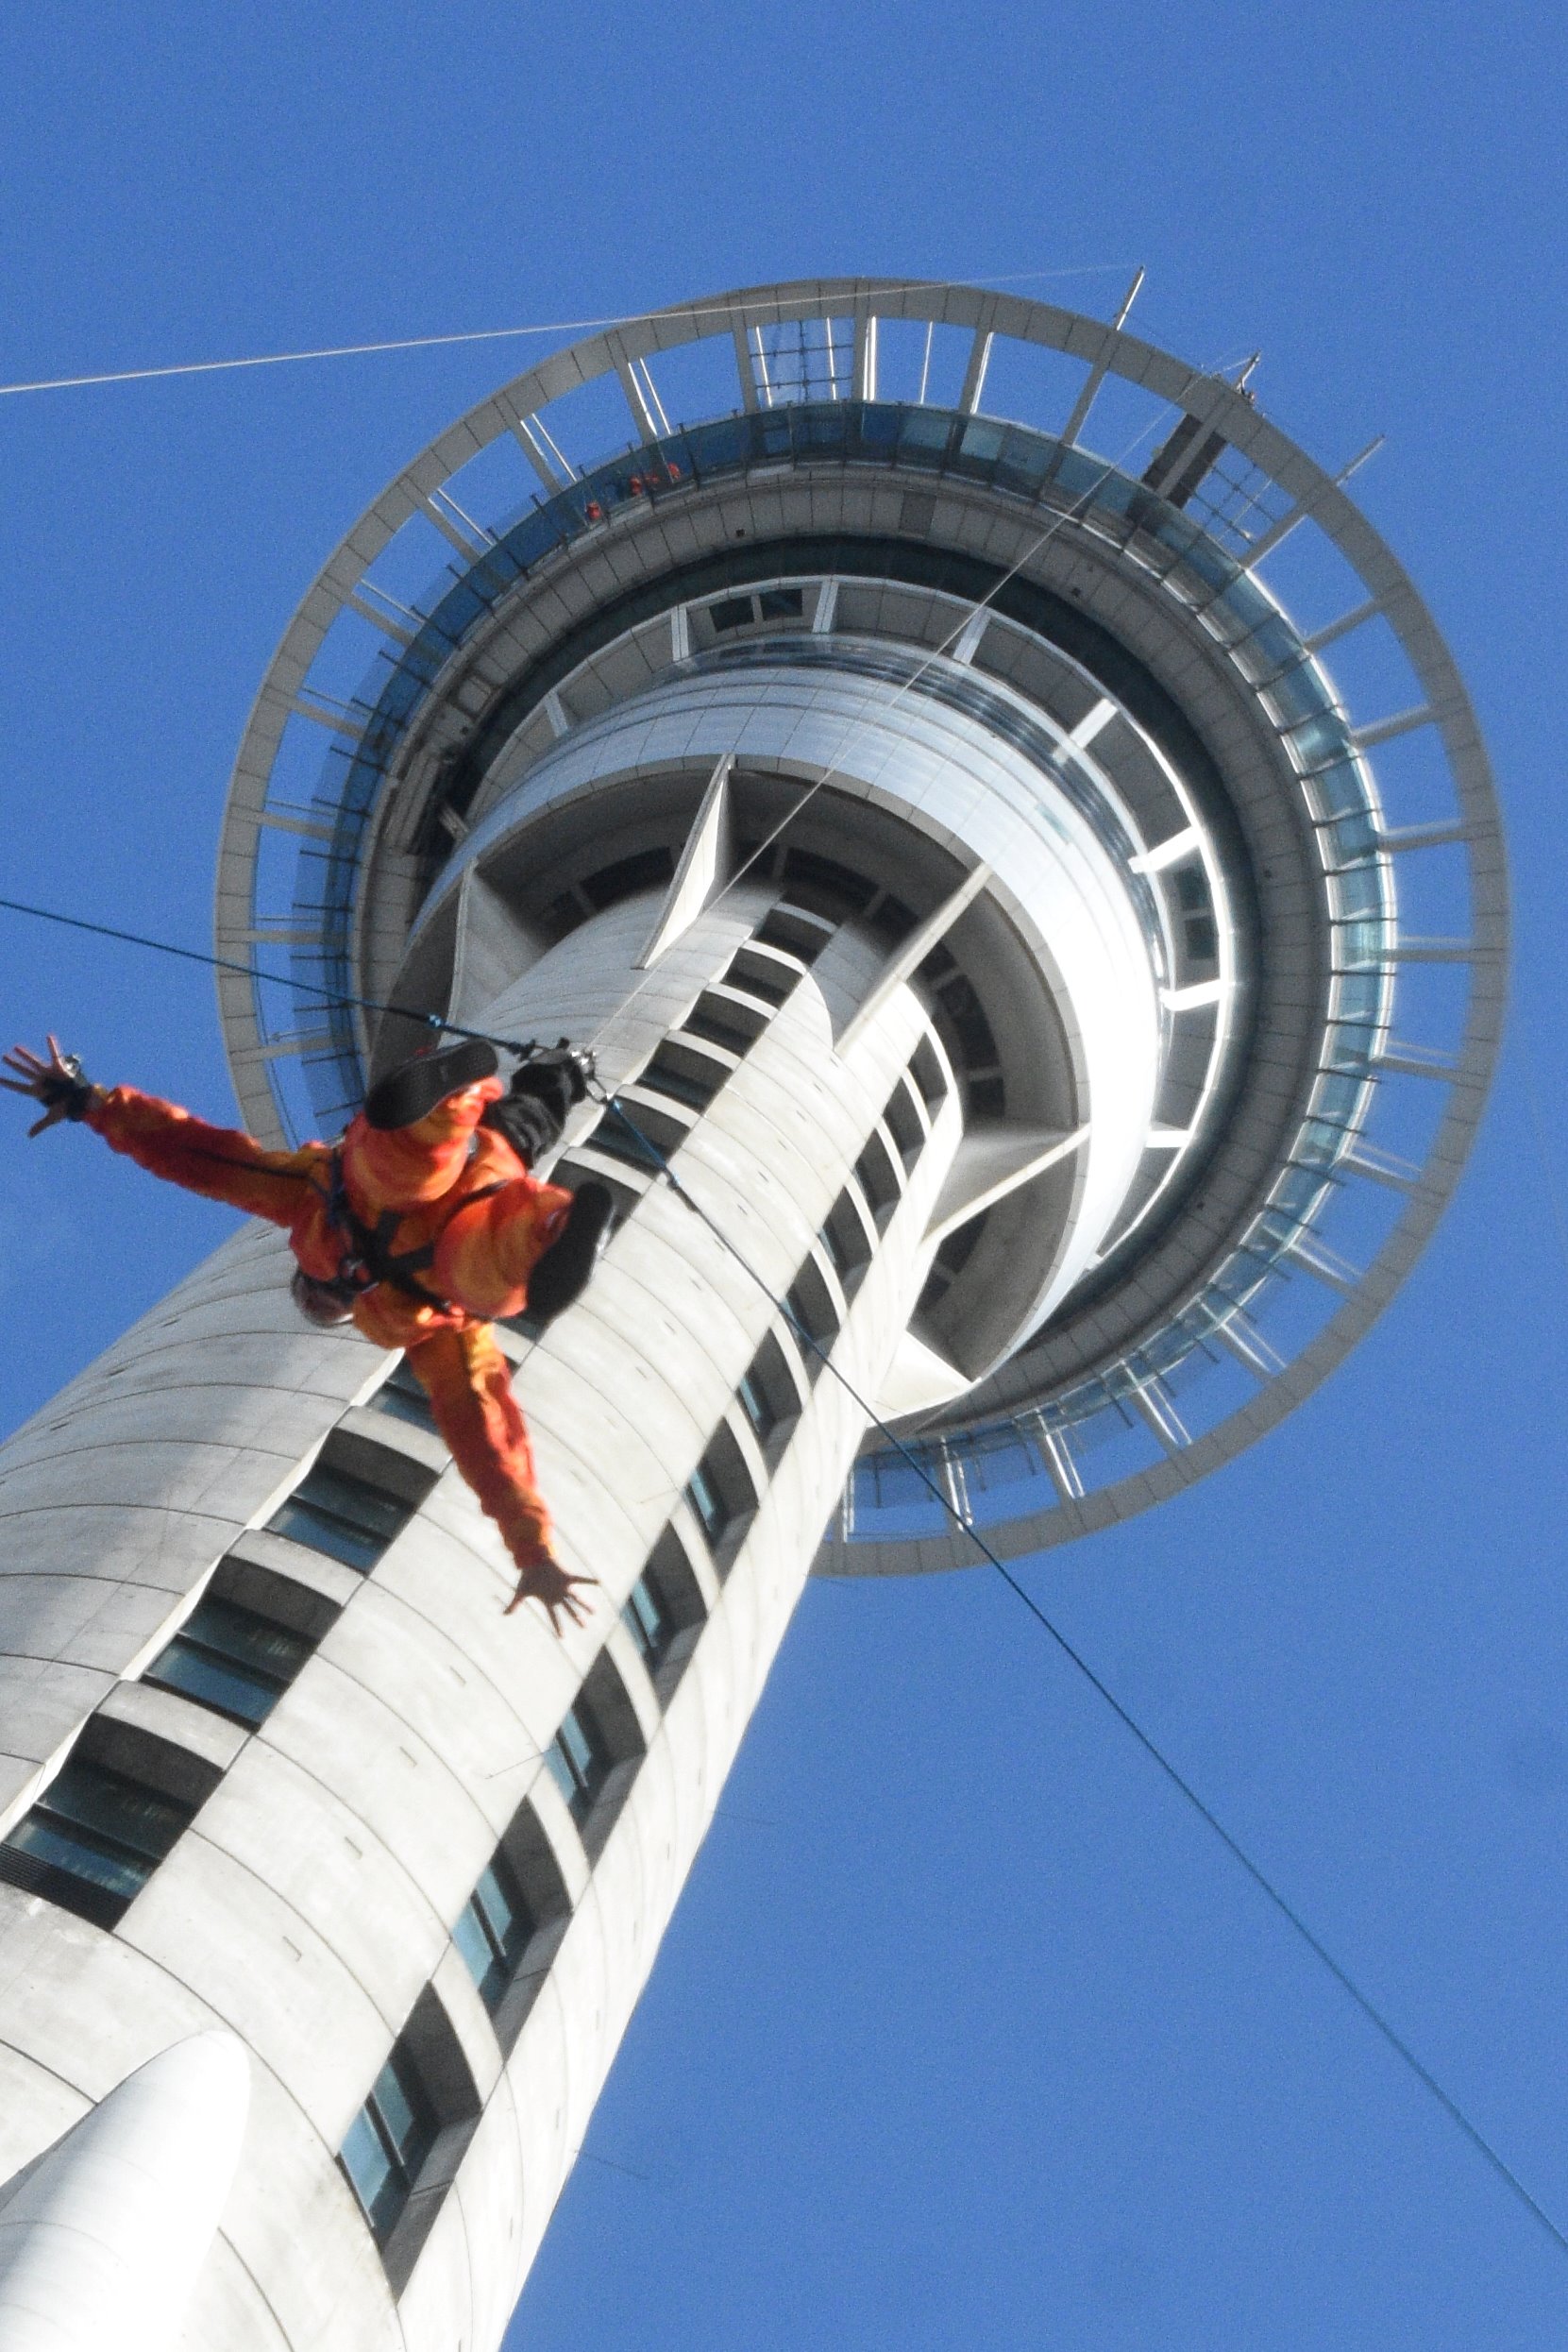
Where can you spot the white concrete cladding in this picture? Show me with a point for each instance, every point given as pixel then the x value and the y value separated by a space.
pixel 102 2242
pixel 309 1907
pixel 951 773
pixel 118 1498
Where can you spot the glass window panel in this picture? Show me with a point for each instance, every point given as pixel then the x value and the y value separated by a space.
pixel 480 1956
pixel 398 2111
pixel 577 1746
pixel 248 1641
pixel 323 1532
pixel 561 1772
pixel 649 1620
pixel 402 1396
pixel 504 1909
pixel 50 1842
pixel 371 2174
pixel 757 1407
pixel 117 1809
pixel 341 1514
pixel 354 1499
pixel 705 1503
pixel 212 1682
pixel 583 1761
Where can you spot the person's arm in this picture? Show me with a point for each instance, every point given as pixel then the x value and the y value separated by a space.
pixel 221 1164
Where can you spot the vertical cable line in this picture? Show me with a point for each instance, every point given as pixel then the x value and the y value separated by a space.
pixel 1075 1658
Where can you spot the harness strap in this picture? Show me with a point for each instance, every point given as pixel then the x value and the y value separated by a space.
pixel 370 1258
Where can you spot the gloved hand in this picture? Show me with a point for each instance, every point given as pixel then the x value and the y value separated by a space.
pixel 547 1067
pixel 545 1087
pixel 57 1083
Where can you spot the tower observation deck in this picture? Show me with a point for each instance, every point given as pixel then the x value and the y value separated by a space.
pixel 1024 856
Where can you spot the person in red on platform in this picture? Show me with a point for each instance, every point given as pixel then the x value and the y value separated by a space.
pixel 421 1225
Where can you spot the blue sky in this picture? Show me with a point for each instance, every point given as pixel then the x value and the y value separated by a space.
pixel 965 2030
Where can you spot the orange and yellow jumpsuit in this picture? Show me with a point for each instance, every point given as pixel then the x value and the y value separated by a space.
pixel 447 1193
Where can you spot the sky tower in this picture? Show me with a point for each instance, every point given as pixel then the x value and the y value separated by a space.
pixel 1026 862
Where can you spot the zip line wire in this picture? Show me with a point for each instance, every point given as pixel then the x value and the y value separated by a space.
pixel 962 1521
pixel 1075 1658
pixel 329 998
pixel 499 334
pixel 966 1526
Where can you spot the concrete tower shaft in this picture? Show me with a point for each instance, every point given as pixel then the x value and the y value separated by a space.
pixel 1065 982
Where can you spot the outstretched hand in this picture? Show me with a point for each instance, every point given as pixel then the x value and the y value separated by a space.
pixel 551 1584
pixel 57 1083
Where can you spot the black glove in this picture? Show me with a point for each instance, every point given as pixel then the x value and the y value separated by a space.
pixel 545 1087
pixel 70 1091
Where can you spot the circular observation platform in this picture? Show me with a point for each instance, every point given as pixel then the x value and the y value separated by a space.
pixel 885 545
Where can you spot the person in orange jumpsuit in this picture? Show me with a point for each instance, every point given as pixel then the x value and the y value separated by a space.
pixel 421 1225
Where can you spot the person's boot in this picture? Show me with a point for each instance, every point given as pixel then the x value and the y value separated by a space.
pixel 561 1274
pixel 412 1092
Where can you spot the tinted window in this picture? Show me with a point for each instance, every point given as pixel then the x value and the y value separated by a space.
pixel 230 1659
pixel 388 2141
pixel 493 1930
pixel 92 1840
pixel 579 1760
pixel 336 1513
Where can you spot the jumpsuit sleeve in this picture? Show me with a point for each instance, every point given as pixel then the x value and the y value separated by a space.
pixel 221 1164
pixel 469 1381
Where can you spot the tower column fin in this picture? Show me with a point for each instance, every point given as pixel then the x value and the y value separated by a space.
pixel 703 870
pixel 102 2237
pixel 912 955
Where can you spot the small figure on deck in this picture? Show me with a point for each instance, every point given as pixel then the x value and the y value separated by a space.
pixel 422 1225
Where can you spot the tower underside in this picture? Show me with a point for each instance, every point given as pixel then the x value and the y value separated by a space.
pixel 977 892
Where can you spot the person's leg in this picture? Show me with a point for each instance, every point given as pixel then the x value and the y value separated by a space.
pixel 469 1381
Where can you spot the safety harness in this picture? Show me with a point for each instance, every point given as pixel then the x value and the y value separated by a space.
pixel 369 1256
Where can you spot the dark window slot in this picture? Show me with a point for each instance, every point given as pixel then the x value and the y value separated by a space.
pixel 664 1613
pixel 925 1068
pixel 230 1659
pixel 823 886
pixel 642 1136
pixel 388 2141
pixel 878 1179
pixel 811 1309
pixel 890 918
pixel 768 1397
pixel 595 1753
pixel 760 976
pixel 339 1513
pixel 796 931
pixel 508 1931
pixel 685 1076
pixel 571 1172
pixel 723 1498
pixel 494 1929
pixel 401 2152
pixel 904 1124
pixel 401 1396
pixel 731 612
pixel 645 871
pixel 782 604
pixel 564 914
pixel 844 1239
pixel 722 1021
pixel 92 1840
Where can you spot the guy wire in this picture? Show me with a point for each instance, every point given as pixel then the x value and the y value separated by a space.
pixel 1156 1754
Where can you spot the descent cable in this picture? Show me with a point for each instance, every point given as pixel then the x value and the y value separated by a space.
pixel 1151 1747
